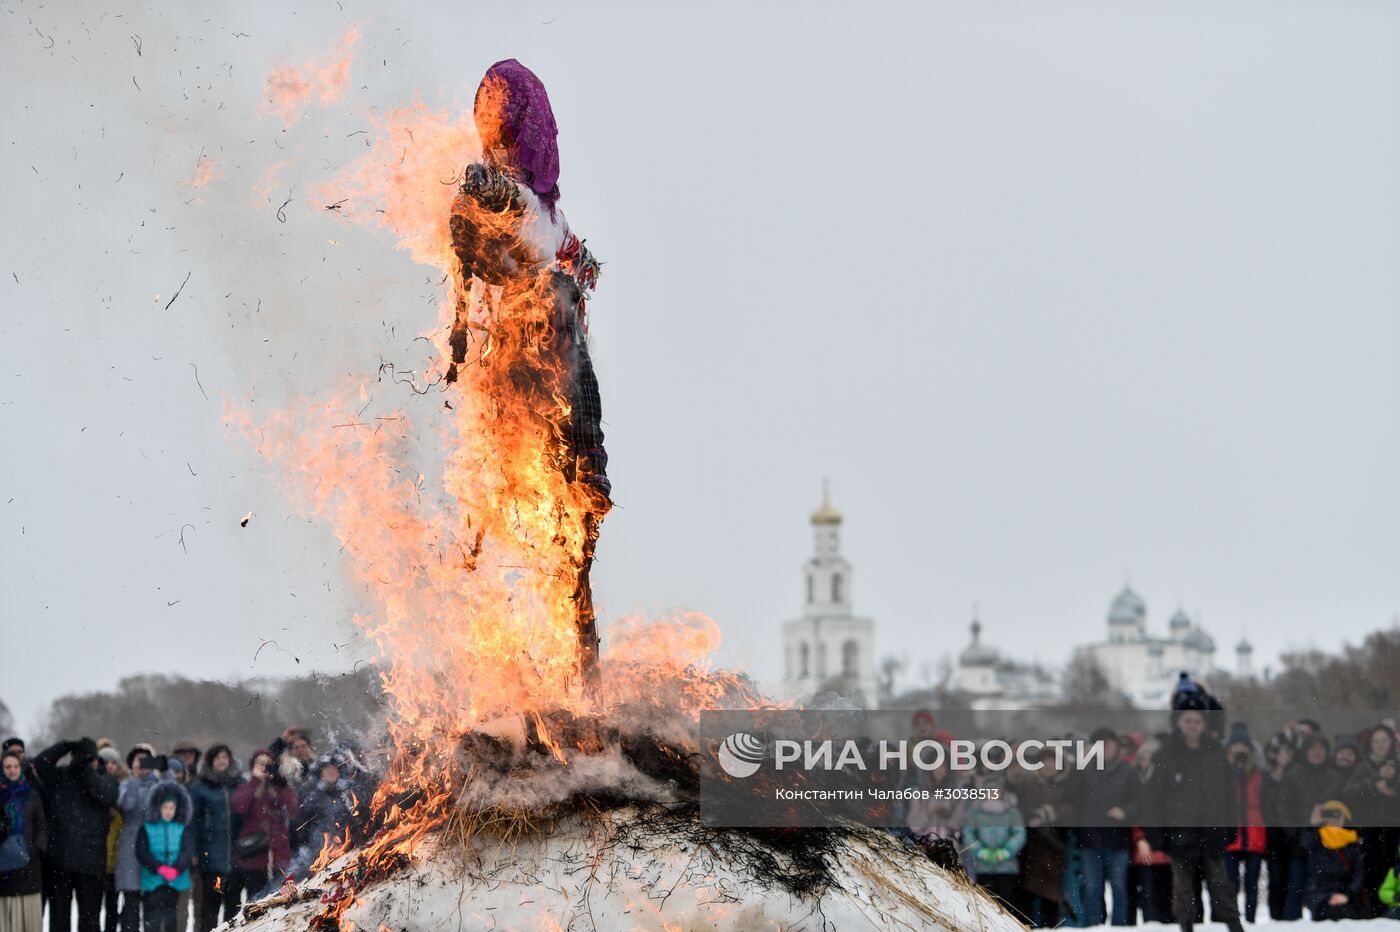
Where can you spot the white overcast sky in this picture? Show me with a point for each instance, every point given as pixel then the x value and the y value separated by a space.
pixel 1055 293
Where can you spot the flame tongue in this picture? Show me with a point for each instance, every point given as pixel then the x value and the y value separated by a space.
pixel 473 576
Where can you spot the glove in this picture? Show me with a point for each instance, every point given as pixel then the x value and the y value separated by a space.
pixel 168 872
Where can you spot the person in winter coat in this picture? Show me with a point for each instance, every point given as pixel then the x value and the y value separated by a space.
pixel 1106 799
pixel 111 896
pixel 1346 755
pixel 1307 782
pixel 1152 870
pixel 1249 799
pixel 188 754
pixel 995 834
pixel 165 851
pixel 265 807
pixel 292 754
pixel 363 785
pixel 135 793
pixel 325 815
pixel 1187 802
pixel 1046 804
pixel 215 828
pixel 81 796
pixel 1335 865
pixel 524 283
pixel 1373 792
pixel 1389 892
pixel 22 815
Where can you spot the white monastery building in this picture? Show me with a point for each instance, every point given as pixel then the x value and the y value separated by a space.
pixel 828 647
pixel 1144 666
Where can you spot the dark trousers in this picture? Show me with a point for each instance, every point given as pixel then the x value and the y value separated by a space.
pixel 1297 881
pixel 159 907
pixel 110 903
pixel 1002 886
pixel 1251 863
pixel 1154 885
pixel 250 882
pixel 131 911
pixel 217 893
pixel 1187 864
pixel 88 888
pixel 1277 858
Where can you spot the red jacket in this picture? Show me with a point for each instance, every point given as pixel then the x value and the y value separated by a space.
pixel 1249 804
pixel 268 809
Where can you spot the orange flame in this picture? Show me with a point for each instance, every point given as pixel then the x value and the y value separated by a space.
pixel 291 87
pixel 206 171
pixel 472 572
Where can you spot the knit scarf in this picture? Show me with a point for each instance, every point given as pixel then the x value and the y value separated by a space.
pixel 1334 836
pixel 12 798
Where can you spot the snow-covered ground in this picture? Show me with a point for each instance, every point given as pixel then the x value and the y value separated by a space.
pixel 607 874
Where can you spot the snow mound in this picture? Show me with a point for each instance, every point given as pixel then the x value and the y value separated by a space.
pixel 633 868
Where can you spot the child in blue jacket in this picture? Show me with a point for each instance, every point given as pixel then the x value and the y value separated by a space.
pixel 165 850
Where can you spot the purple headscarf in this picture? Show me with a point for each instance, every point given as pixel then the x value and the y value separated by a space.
pixel 512 112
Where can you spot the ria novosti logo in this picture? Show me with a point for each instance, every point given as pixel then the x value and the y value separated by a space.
pixel 740 755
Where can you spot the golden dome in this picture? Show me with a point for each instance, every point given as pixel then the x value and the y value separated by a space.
pixel 826 514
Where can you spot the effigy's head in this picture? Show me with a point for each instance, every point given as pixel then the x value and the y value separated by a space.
pixel 517 128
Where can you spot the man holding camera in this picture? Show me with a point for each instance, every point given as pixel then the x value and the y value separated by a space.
pixel 80 797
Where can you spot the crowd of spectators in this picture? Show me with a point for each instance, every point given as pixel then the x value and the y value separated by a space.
pixel 1198 814
pixel 147 841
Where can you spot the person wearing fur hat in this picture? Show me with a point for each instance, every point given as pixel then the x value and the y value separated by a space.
pixel 1335 864
pixel 325 817
pixel 1188 815
pixel 215 828
pixel 1250 799
pixel 165 851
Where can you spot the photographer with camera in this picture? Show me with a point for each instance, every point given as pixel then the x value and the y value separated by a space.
pixel 1335 865
pixel 80 797
pixel 1251 798
pixel 266 805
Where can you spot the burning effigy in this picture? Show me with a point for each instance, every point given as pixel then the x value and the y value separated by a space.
pixel 536 781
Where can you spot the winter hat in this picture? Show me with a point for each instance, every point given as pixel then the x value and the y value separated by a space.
pixel 165 793
pixel 324 761
pixel 175 767
pixel 1347 744
pixel 1106 735
pixel 1338 805
pixel 1239 734
pixel 1188 697
pixel 1314 739
pixel 110 755
pixel 13 742
pixel 185 746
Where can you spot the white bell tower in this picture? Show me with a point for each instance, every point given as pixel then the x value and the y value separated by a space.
pixel 828 648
